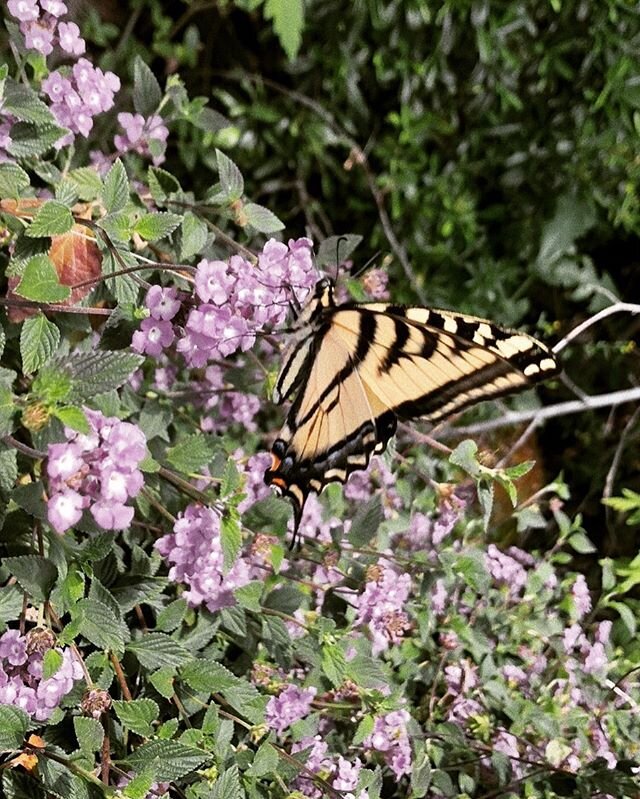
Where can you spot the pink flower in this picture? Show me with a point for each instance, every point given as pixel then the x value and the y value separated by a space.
pixel 37 37
pixel 55 7
pixel 290 706
pixel 24 10
pixel 69 37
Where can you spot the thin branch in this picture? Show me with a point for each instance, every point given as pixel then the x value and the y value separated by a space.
pixel 550 412
pixel 618 307
pixel 615 463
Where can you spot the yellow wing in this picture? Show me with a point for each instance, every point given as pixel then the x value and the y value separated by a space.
pixel 364 366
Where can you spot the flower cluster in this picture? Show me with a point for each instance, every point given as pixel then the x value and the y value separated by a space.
pixel 362 484
pixel 231 406
pixel 156 331
pixel 237 299
pixel 21 670
pixel 381 605
pixel 341 774
pixel 78 94
pixel 289 706
pixel 390 736
pixel 147 137
pixel 97 470
pixel 194 550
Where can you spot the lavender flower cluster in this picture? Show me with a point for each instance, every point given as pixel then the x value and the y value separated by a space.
pixel 237 299
pixel 96 471
pixel 21 670
pixel 341 773
pixel 76 94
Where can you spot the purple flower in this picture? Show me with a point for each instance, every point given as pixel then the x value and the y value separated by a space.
pixel 505 570
pixel 37 37
pixel 581 596
pixel 596 661
pixel 291 705
pixel 390 737
pixel 153 337
pixel 439 597
pixel 316 761
pixel 13 647
pixel 139 132
pixel 163 303
pixel 24 10
pixel 69 36
pixel 381 606
pixel 194 551
pixel 98 470
pixel 55 7
pixel 56 87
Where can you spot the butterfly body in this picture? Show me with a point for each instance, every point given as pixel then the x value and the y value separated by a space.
pixel 352 370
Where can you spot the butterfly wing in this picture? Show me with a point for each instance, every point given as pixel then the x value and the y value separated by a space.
pixel 365 366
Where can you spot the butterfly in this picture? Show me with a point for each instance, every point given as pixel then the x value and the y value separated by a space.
pixel 353 370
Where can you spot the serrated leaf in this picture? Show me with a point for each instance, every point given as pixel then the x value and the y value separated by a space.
pixel 363 730
pixel 98 372
pixel 191 453
pixel 333 664
pixel 210 120
pixel 115 192
pixel 172 616
pixel 147 94
pixel 227 786
pixel 288 21
pixel 366 522
pixel 23 103
pixel 89 732
pixel 465 456
pixel 51 662
pixel 207 676
pixel 170 760
pixel 194 235
pixel 270 513
pixel 35 575
pixel 40 283
pixel 627 616
pixel 161 183
pixel 265 761
pixel 13 180
pixel 39 339
pixel 13 727
pixel 99 625
pixel 262 219
pixel 137 715
pixel 334 250
pixel 156 650
pixel 230 540
pixel 29 140
pixel 248 596
pixel 87 181
pixel 8 470
pixel 469 566
pixel 140 787
pixel 231 180
pixel 155 226
pixel 73 417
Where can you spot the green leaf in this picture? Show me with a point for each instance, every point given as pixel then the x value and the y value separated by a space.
pixel 155 650
pixel 30 141
pixel 115 192
pixel 13 180
pixel 72 417
pixel 39 282
pixel 172 616
pixel 23 103
pixel 207 676
pixel 366 522
pixel 465 456
pixel 39 339
pixel 573 217
pixel 162 681
pixel 249 595
pixel 155 226
pixel 288 22
pixel 333 664
pixel 140 787
pixel 581 543
pixel 99 625
pixel 87 181
pixel 170 760
pixel 227 786
pixel 51 662
pixel 231 180
pixel 13 727
pixel 270 513
pixel 8 470
pixel 138 715
pixel 147 94
pixel 194 235
pixel 336 249
pixel 210 120
pixel 265 761
pixel 627 616
pixel 469 566
pixel 161 184
pixel 230 539
pixel 190 454
pixel 35 575
pixel 90 734
pixel 262 219
pixel 97 372
pixel 230 478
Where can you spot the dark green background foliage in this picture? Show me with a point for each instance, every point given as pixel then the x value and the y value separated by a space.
pixel 501 138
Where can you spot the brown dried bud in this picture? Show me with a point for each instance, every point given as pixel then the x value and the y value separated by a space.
pixel 40 639
pixel 374 573
pixel 95 702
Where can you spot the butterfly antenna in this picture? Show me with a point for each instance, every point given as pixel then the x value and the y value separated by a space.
pixel 362 269
pixel 338 242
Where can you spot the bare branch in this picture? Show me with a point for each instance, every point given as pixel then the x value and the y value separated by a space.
pixel 618 307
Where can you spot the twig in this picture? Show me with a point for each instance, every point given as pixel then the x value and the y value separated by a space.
pixel 615 463
pixel 618 307
pixel 550 412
